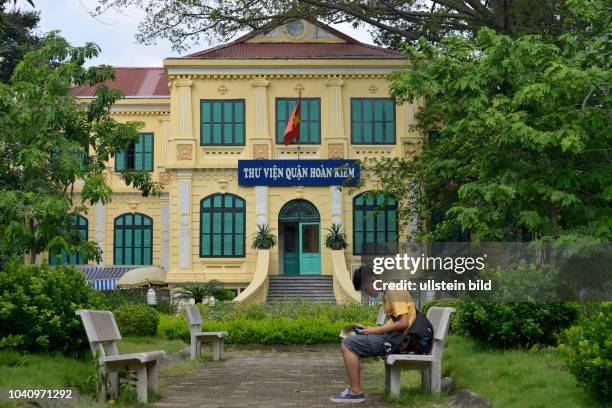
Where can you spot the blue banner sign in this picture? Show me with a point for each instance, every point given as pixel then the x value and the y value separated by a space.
pixel 298 172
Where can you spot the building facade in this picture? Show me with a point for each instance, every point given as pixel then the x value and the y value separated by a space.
pixel 205 113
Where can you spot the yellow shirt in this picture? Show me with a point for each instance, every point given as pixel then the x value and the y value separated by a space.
pixel 397 303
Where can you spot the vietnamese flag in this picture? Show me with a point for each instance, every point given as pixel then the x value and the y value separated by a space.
pixel 292 131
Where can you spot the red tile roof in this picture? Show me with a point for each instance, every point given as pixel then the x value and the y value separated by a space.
pixel 139 82
pixel 297 50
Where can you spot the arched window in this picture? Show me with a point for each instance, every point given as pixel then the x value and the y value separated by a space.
pixel 374 225
pixel 222 219
pixel 298 211
pixel 133 240
pixel 63 258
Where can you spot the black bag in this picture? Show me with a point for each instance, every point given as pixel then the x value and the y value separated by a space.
pixel 420 336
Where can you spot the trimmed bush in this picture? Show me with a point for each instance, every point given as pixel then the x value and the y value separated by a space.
pixel 295 322
pixel 520 324
pixel 294 309
pixel 589 352
pixel 269 331
pixel 137 320
pixel 38 305
pixel 455 326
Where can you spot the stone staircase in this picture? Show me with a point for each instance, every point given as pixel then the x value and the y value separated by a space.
pixel 312 288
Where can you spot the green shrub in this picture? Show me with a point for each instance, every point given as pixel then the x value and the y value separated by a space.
pixel 294 309
pixel 519 324
pixel 37 308
pixel 455 326
pixel 294 322
pixel 269 331
pixel 137 320
pixel 174 327
pixel 115 299
pixel 589 352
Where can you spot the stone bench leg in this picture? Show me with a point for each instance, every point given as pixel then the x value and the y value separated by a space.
pixel 393 380
pixel 195 344
pixel 426 380
pixel 436 377
pixel 113 379
pixel 104 375
pixel 142 383
pixel 152 376
pixel 387 378
pixel 217 349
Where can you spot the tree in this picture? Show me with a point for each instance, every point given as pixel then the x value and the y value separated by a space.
pixel 17 36
pixel 391 21
pixel 526 133
pixel 48 141
pixel 199 291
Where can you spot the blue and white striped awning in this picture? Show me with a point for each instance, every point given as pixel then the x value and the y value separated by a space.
pixel 104 284
pixel 104 278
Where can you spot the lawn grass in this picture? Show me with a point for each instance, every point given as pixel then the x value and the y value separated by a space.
pixel 78 372
pixel 135 344
pixel 507 378
pixel 514 378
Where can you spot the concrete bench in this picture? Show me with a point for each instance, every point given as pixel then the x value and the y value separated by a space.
pixel 198 336
pixel 103 333
pixel 430 365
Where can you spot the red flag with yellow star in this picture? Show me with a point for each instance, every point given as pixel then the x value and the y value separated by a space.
pixel 292 131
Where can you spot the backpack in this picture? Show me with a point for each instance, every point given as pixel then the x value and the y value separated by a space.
pixel 420 335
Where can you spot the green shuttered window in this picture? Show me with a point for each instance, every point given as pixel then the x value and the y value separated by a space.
pixel 374 225
pixel 222 223
pixel 310 125
pixel 63 258
pixel 372 121
pixel 133 240
pixel 138 156
pixel 222 122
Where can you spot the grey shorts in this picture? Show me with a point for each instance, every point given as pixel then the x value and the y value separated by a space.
pixel 366 345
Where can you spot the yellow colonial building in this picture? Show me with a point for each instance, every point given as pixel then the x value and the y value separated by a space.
pixel 213 136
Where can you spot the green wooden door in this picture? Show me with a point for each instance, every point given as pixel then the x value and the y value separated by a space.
pixel 291 266
pixel 310 249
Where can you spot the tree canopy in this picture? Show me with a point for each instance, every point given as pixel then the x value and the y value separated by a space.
pixel 521 138
pixel 17 36
pixel 391 21
pixel 49 141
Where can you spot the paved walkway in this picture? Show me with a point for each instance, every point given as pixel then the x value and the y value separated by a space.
pixel 265 379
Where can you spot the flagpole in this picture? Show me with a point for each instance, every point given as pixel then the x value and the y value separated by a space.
pixel 300 136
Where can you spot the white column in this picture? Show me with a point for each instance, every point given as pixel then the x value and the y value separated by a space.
pixel 184 181
pixel 410 112
pixel 100 229
pixel 262 130
pixel 165 231
pixel 183 139
pixel 184 105
pixel 336 203
pixel 261 205
pixel 336 110
pixel 165 141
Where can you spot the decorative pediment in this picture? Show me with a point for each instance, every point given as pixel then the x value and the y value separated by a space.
pixel 300 31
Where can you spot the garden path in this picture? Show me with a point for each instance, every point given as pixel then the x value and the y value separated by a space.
pixel 266 379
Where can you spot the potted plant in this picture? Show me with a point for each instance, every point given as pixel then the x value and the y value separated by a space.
pixel 264 238
pixel 335 238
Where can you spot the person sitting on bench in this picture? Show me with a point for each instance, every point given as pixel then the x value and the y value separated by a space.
pixel 374 341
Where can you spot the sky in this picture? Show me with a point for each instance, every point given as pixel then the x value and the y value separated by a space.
pixel 115 32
